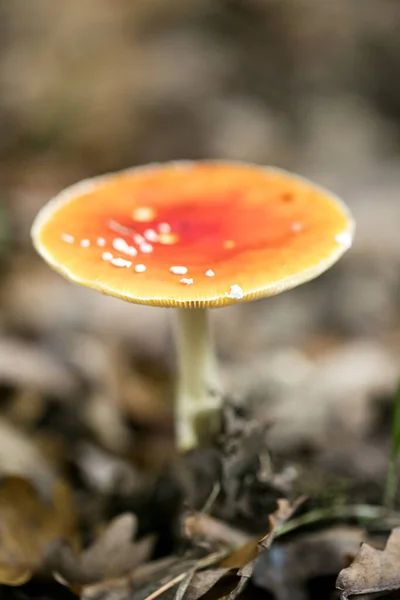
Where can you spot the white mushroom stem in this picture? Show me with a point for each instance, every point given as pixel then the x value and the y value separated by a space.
pixel 198 401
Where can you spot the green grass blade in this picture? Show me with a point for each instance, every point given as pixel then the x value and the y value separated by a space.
pixel 392 474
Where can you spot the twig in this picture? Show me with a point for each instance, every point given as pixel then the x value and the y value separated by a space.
pixel 204 527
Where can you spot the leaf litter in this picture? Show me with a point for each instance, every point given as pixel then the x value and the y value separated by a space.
pixel 373 570
pixel 215 553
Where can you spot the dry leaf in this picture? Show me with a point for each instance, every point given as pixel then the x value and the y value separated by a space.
pixel 111 556
pixel 372 570
pixel 203 582
pixel 150 581
pixel 238 567
pixel 28 524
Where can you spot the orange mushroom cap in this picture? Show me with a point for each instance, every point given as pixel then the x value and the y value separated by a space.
pixel 193 234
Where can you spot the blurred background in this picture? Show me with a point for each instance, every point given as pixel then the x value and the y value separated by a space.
pixel 94 86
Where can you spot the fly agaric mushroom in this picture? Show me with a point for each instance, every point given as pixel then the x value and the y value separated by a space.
pixel 194 236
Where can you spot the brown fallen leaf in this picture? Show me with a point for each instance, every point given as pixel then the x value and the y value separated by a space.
pixel 372 570
pixel 234 572
pixel 111 556
pixel 28 524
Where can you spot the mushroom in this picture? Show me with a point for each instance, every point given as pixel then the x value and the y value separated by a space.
pixel 193 236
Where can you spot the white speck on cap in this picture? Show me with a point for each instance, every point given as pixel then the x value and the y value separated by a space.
pixel 140 268
pixel 344 239
pixel 187 281
pixel 138 239
pixel 151 235
pixel 235 292
pixel 121 262
pixel 101 241
pixel 119 244
pixel 178 270
pixel 145 248
pixel 210 273
pixel 122 246
pixel 107 256
pixel 85 243
pixel 67 238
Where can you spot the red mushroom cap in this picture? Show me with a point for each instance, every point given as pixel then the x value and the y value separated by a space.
pixel 201 234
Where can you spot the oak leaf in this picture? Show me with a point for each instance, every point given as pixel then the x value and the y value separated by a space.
pixel 372 570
